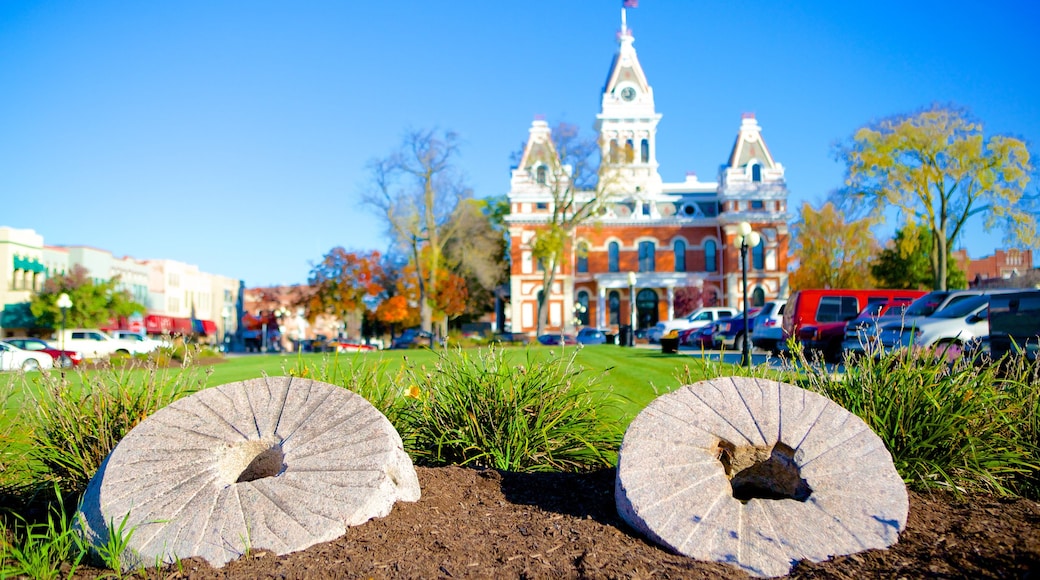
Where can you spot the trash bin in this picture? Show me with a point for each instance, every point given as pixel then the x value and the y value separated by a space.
pixel 625 335
pixel 669 345
pixel 611 338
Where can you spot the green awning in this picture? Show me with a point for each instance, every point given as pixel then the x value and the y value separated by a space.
pixel 28 264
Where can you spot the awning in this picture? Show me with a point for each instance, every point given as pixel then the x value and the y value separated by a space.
pixel 209 327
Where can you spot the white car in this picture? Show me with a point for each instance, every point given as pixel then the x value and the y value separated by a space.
pixel 13 358
pixel 697 319
pixel 146 343
pixel 957 325
pixel 767 331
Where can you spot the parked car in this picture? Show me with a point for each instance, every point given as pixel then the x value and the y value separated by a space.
pixel 146 343
pixel 62 358
pixel 696 319
pixel 862 333
pixel 13 358
pixel 412 337
pixel 351 345
pixel 555 339
pixel 767 332
pixel 729 333
pixel 697 337
pixel 95 343
pixel 591 336
pixel 833 306
pixel 1014 324
pixel 953 326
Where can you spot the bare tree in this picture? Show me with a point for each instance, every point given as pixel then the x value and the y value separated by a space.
pixel 416 189
pixel 579 186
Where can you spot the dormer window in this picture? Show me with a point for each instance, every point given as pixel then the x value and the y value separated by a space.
pixel 540 175
pixel 756 173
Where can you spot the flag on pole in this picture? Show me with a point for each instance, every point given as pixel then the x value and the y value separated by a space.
pixel 630 3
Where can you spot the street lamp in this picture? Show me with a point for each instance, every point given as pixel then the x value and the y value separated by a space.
pixel 746 237
pixel 64 303
pixel 631 309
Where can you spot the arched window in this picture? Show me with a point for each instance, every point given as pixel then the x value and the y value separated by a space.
pixel 582 266
pixel 630 152
pixel 679 247
pixel 612 257
pixel 710 258
pixel 614 305
pixel 646 256
pixel 644 151
pixel 540 175
pixel 581 314
pixel 758 297
pixel 758 256
pixel 756 172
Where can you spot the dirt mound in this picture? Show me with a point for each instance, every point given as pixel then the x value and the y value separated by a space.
pixel 484 524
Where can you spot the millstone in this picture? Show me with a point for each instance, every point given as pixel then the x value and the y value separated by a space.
pixel 758 474
pixel 277 463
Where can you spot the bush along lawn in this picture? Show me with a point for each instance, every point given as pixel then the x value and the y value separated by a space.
pixel 963 427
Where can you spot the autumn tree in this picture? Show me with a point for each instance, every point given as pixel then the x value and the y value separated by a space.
pixel 938 169
pixel 417 189
pixel 579 186
pixel 94 304
pixel 341 283
pixel 830 252
pixel 398 302
pixel 906 264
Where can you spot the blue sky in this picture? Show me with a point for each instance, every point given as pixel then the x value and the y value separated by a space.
pixel 234 135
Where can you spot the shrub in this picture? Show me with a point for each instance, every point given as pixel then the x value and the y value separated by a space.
pixel 480 409
pixel 948 424
pixel 73 426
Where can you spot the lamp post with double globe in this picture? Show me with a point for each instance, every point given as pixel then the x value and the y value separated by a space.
pixel 746 237
pixel 64 303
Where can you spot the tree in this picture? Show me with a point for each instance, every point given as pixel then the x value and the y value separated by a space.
pixel 416 189
pixel 937 168
pixel 478 254
pixel 342 282
pixel 905 263
pixel 830 252
pixel 579 186
pixel 94 304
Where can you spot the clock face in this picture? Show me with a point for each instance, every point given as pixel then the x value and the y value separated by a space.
pixel 628 93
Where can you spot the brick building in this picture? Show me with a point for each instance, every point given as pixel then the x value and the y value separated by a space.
pixel 670 236
pixel 996 270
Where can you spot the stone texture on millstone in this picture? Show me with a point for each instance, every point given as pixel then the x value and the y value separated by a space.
pixel 812 480
pixel 276 463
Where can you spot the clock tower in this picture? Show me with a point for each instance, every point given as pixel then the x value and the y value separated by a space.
pixel 627 122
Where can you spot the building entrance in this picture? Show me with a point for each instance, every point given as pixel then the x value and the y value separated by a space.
pixel 646 308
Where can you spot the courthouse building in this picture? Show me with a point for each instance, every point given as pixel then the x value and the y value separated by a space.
pixel 672 237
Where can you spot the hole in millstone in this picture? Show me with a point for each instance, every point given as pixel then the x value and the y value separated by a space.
pixel 762 472
pixel 268 463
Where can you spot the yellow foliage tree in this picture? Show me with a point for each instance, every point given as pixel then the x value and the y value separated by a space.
pixel 830 252
pixel 939 170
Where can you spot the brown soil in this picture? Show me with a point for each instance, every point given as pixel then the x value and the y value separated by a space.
pixel 488 524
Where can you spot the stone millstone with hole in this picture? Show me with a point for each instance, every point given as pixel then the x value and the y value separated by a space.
pixel 277 464
pixel 758 474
